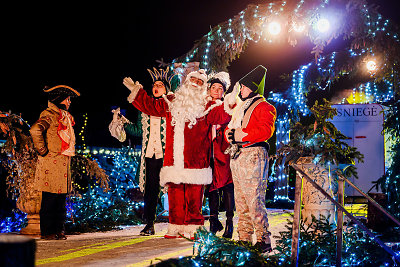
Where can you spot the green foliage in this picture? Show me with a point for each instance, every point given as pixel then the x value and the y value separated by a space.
pixel 315 136
pixel 362 25
pixel 390 182
pixel 317 246
pixel 218 251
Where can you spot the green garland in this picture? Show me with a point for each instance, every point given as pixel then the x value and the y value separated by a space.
pixel 226 41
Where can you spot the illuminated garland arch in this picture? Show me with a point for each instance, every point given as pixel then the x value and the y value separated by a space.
pixel 372 38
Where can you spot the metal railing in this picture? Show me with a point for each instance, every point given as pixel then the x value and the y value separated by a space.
pixel 340 210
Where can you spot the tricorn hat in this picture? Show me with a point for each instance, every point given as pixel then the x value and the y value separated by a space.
pixel 59 93
pixel 255 79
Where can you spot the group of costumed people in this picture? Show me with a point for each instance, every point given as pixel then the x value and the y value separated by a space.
pixel 202 139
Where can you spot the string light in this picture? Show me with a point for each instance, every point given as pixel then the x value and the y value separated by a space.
pixel 371 65
pixel 323 25
pixel 274 28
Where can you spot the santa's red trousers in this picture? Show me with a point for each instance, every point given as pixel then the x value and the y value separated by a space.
pixel 185 202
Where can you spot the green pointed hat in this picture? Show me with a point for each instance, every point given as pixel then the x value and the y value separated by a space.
pixel 255 79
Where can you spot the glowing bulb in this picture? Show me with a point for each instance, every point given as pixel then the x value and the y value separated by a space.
pixel 323 25
pixel 274 28
pixel 371 65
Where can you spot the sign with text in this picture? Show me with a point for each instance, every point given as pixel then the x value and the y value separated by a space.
pixel 363 125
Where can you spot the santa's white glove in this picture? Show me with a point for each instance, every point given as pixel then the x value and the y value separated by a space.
pixel 230 99
pixel 134 87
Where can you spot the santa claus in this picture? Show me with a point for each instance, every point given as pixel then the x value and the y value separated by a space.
pixel 189 115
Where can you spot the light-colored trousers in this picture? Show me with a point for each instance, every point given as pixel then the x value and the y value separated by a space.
pixel 250 173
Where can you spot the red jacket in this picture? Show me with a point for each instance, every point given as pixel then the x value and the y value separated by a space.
pixel 222 174
pixel 261 125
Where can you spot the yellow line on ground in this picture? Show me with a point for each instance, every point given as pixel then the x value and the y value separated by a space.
pixel 89 251
pixel 91 245
pixel 162 257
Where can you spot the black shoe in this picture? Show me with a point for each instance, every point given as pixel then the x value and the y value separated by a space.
pixel 148 229
pixel 263 247
pixel 49 237
pixel 61 236
pixel 215 225
pixel 228 229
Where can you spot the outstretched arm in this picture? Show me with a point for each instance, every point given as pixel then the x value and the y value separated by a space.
pixel 143 102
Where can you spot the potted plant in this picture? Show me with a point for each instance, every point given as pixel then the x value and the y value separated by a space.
pixel 319 148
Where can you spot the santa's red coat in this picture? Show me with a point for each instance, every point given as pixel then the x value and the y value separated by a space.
pixel 187 150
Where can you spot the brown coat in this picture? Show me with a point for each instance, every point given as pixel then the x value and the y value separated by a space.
pixel 53 173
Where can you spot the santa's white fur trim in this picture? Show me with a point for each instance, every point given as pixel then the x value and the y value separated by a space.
pixel 173 174
pixel 175 229
pixel 199 74
pixel 179 143
pixel 191 229
pixel 217 103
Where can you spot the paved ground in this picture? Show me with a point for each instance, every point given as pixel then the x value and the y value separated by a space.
pixel 126 247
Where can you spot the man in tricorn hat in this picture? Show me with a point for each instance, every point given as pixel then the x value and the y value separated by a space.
pixel 252 124
pixel 54 139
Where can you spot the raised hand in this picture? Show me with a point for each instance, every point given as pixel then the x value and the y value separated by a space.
pixel 131 85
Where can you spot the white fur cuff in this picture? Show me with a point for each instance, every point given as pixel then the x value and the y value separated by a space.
pixel 133 94
pixel 192 228
pixel 229 102
pixel 173 174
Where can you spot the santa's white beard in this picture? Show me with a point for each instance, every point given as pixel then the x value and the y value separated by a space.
pixel 189 103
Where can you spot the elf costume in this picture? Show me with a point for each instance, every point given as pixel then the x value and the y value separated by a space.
pixel 251 126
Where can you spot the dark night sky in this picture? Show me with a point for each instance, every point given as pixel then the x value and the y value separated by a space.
pixel 91 48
